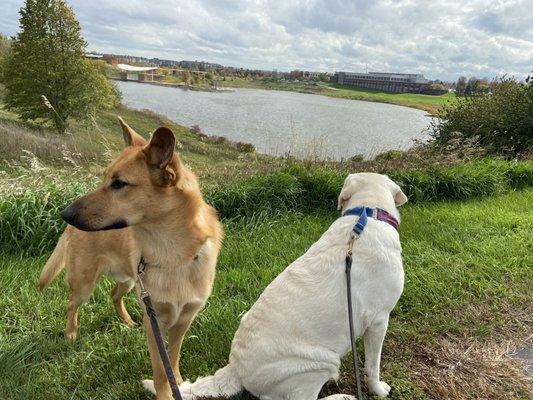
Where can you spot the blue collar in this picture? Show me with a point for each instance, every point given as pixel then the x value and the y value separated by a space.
pixel 364 212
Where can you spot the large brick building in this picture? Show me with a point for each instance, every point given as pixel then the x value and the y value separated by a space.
pixel 384 81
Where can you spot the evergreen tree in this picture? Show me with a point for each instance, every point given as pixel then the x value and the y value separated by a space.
pixel 460 86
pixel 47 75
pixel 471 86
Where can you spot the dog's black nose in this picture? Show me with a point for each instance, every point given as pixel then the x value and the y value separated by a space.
pixel 70 215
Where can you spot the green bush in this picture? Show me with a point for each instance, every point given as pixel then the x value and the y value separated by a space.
pixel 29 217
pixel 520 175
pixel 454 183
pixel 30 222
pixel 502 121
pixel 264 194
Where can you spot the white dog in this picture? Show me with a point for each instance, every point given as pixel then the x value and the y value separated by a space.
pixel 291 341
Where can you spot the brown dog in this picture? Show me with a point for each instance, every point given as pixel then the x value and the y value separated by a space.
pixel 149 193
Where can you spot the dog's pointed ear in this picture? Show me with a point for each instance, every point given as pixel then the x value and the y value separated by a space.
pixel 131 138
pixel 160 150
pixel 399 197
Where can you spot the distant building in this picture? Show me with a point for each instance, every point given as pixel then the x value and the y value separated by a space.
pixel 200 65
pixel 134 73
pixel 384 81
pixel 94 56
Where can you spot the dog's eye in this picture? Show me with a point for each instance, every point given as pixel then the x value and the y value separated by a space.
pixel 118 184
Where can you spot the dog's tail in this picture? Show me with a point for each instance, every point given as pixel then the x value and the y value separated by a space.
pixel 223 384
pixel 55 263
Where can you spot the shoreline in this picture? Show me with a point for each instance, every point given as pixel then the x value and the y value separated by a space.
pixel 178 85
pixel 427 103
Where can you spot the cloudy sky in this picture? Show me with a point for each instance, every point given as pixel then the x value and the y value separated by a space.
pixel 441 39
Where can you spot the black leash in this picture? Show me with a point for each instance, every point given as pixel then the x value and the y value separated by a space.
pixel 355 358
pixel 145 296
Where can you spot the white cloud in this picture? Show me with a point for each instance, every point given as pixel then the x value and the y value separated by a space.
pixel 440 39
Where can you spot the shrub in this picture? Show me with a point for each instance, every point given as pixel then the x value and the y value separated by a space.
pixel 29 216
pixel 30 222
pixel 239 146
pixel 268 194
pixel 519 175
pixel 389 155
pixel 502 121
pixel 245 147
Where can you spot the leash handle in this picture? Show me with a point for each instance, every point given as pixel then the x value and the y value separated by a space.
pixel 355 358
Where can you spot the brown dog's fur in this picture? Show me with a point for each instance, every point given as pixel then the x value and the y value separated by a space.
pixel 165 218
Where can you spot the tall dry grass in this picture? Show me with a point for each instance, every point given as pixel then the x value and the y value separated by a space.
pixel 18 142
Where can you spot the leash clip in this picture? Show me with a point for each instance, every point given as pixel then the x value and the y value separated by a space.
pixel 353 238
pixel 144 292
pixel 141 267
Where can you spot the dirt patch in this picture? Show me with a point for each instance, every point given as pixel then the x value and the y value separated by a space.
pixel 465 366
pixel 470 369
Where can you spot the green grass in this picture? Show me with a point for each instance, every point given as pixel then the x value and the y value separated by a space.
pixel 467 265
pixel 422 101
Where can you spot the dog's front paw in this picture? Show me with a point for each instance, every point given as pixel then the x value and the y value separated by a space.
pixel 148 384
pixel 379 388
pixel 186 391
pixel 71 336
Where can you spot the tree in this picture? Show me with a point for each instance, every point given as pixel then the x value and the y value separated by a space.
pixel 460 86
pixel 482 86
pixel 47 74
pixel 476 86
pixel 470 88
pixel 5 51
pixel 184 76
pixel 436 85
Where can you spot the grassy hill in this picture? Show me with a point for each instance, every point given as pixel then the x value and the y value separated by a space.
pixel 92 145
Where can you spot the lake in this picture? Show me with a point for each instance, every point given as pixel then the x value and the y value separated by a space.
pixel 278 122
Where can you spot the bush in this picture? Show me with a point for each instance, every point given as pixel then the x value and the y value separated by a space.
pixel 245 147
pixel 502 121
pixel 268 195
pixel 29 216
pixel 460 182
pixel 30 222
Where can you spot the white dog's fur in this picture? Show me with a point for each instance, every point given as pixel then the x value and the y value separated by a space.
pixel 292 339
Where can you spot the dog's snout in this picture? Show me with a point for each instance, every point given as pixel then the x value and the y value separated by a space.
pixel 70 215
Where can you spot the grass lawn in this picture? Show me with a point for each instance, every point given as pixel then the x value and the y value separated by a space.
pixel 428 103
pixel 467 297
